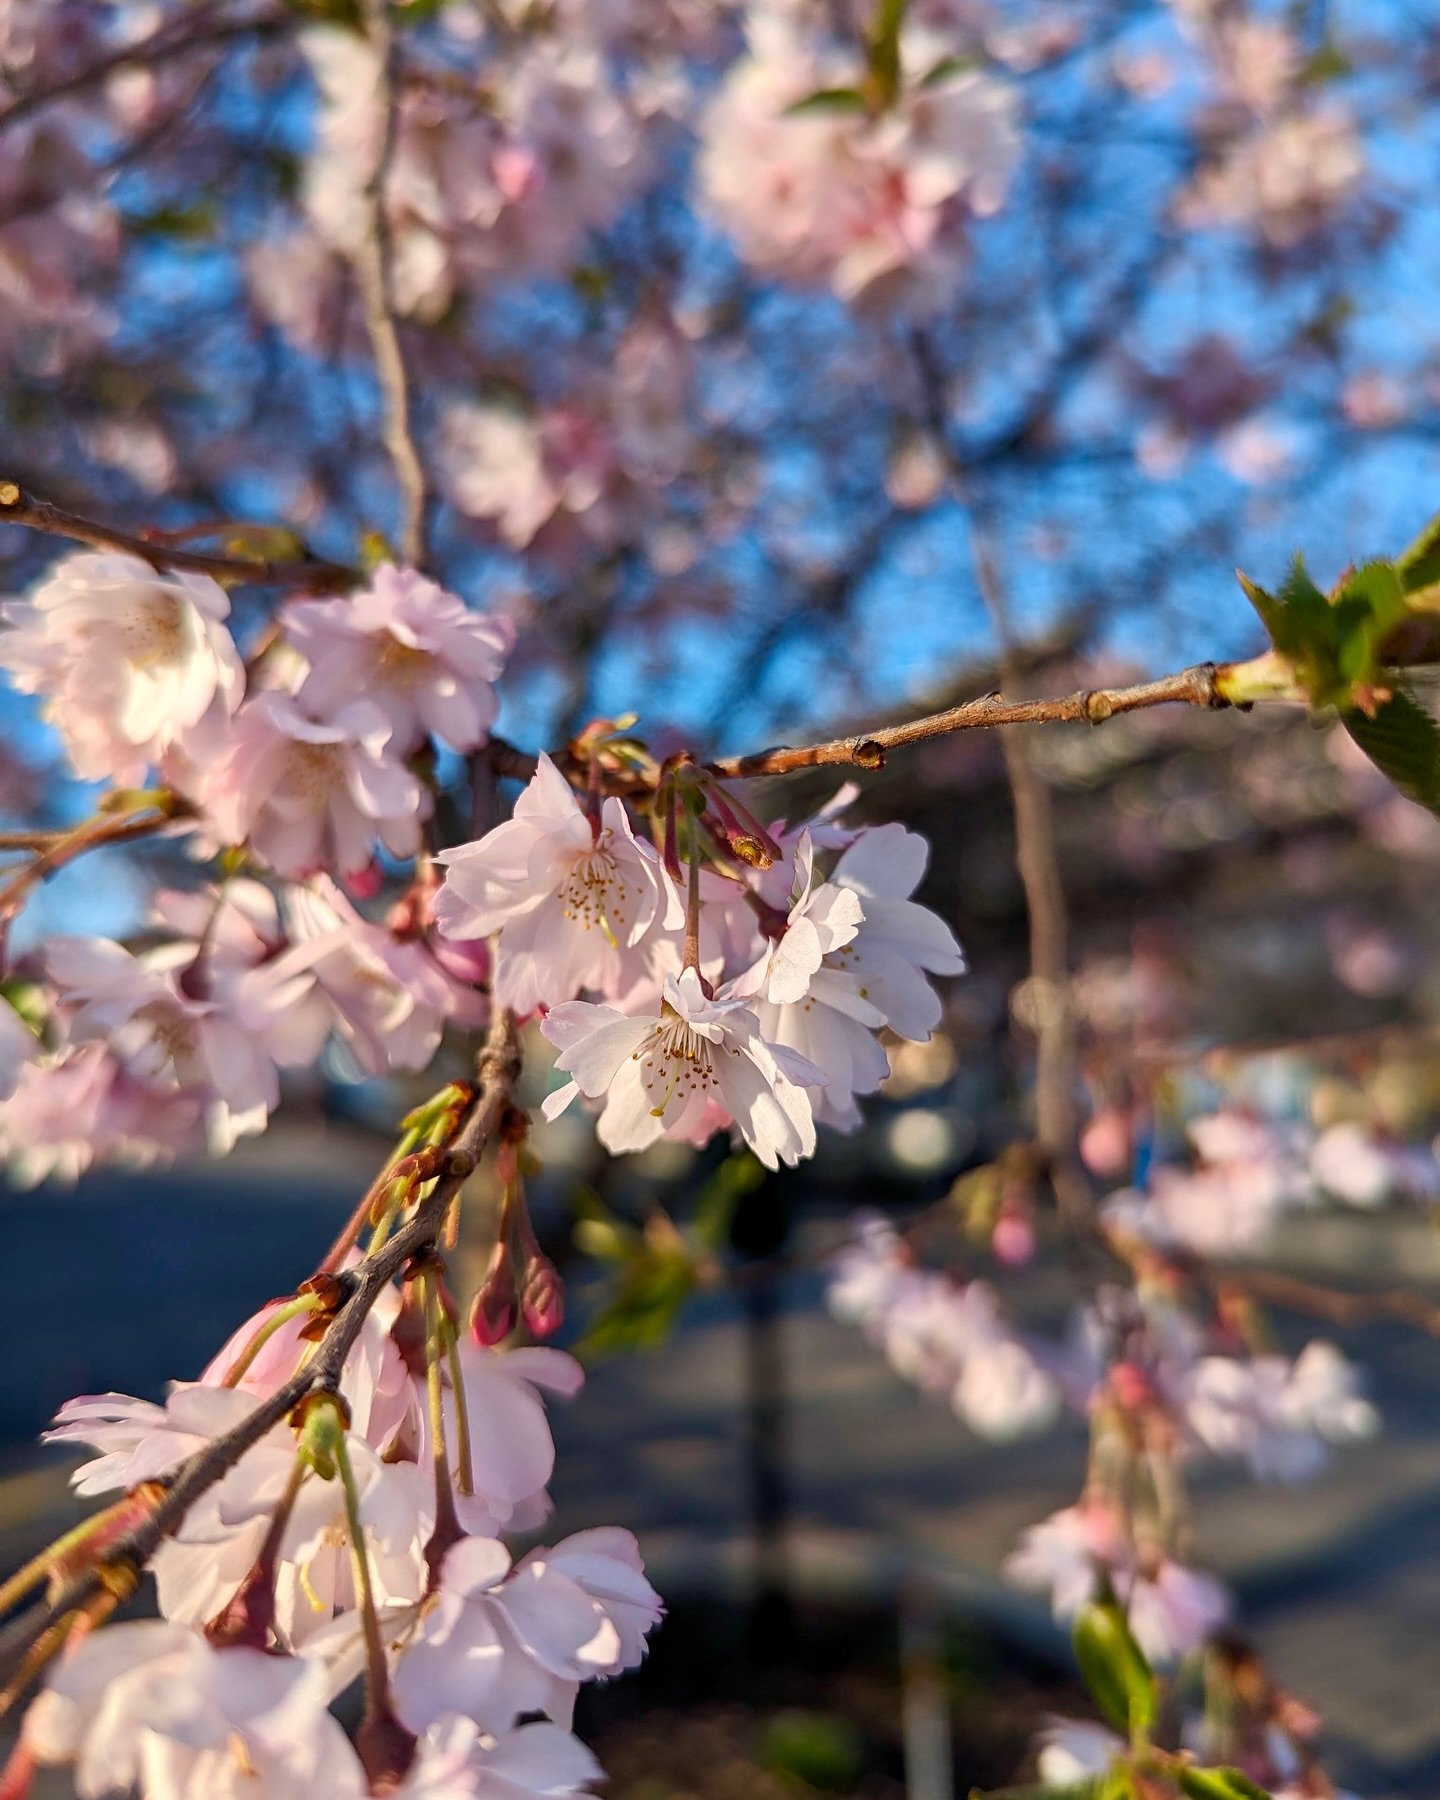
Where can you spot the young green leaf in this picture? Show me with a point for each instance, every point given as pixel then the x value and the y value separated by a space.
pixel 1114 1667
pixel 1418 566
pixel 1403 742
pixel 827 100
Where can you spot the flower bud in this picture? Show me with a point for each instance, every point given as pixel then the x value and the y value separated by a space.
pixel 494 1310
pixel 542 1305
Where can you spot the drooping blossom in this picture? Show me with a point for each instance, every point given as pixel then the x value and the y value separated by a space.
pixel 410 648
pixel 701 1064
pixel 130 661
pixel 152 1705
pixel 568 898
pixel 456 1760
pixel 220 1048
pixel 386 996
pixel 1077 1551
pixel 948 1338
pixel 875 976
pixel 77 1106
pixel 1280 1416
pixel 307 794
pixel 496 1643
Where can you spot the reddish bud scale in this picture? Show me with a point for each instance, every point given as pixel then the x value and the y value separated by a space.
pixel 386 1749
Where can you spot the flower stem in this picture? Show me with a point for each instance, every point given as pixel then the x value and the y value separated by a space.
pixel 377 1675
pixel 692 901
pixel 292 1309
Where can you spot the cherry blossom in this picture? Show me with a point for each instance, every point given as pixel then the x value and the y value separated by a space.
pixel 567 897
pixel 152 1705
pixel 496 1644
pixel 1172 1610
pixel 223 1049
pixel 875 207
pixel 1279 1416
pixel 455 1760
pixel 413 650
pixel 130 661
pixel 307 794
pixel 387 996
pixel 702 1063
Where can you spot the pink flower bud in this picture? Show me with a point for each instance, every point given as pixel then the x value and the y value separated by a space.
pixel 543 1303
pixel 1105 1143
pixel 1014 1239
pixel 494 1310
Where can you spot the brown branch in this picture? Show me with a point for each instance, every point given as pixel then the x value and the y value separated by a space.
pixel 18 507
pixel 1335 1305
pixel 163 46
pixel 374 267
pixel 497 1068
pixel 1197 686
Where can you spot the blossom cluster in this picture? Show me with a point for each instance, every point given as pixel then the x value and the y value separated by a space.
pixel 261 1625
pixel 819 188
pixel 301 757
pixel 1249 1173
pixel 1145 1370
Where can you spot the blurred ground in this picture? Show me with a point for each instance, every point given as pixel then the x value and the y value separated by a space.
pixel 135 1279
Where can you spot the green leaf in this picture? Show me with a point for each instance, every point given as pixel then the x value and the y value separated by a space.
pixel 1219 1784
pixel 1419 565
pixel 1089 1789
pixel 1114 1667
pixel 827 100
pixel 815 1750
pixel 740 1174
pixel 1403 742
pixel 946 67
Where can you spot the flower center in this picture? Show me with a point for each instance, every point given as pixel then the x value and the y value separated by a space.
pixel 155 635
pixel 596 894
pixel 675 1060
pixel 403 665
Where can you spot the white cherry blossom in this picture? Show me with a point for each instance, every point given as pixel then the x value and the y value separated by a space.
pixel 700 1064
pixel 130 661
pixel 412 649
pixel 567 898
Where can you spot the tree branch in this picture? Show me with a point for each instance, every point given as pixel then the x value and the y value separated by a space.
pixel 18 507
pixel 1196 686
pixel 373 264
pixel 163 46
pixel 497 1068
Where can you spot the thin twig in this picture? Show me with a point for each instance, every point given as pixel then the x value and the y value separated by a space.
pixel 163 46
pixel 18 507
pixel 497 1068
pixel 1335 1305
pixel 867 749
pixel 373 264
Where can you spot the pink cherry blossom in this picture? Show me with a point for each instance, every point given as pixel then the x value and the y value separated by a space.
pixel 78 1106
pixel 307 794
pixel 1069 1553
pixel 456 1760
pixel 496 1643
pixel 214 1049
pixel 152 1705
pixel 1281 1417
pixel 873 206
pixel 567 898
pixel 680 1075
pixel 1071 1751
pixel 131 662
pixel 386 996
pixel 418 653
